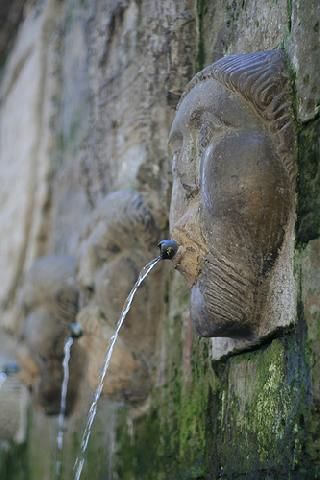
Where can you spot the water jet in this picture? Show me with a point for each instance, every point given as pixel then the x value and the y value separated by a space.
pixel 76 332
pixel 168 249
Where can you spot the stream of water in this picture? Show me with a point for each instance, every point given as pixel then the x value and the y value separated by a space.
pixel 63 403
pixel 78 466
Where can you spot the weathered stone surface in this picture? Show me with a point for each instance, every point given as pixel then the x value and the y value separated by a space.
pixel 20 87
pixel 305 56
pixel 259 404
pixel 99 118
pixel 228 27
pixel 310 276
pixel 26 90
pixel 69 204
pixel 308 221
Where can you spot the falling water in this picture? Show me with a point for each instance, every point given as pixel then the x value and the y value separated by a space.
pixel 63 402
pixel 78 466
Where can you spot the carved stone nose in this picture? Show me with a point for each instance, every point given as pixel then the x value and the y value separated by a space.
pixel 168 249
pixel 76 330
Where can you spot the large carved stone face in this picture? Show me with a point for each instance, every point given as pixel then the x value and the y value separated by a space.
pixel 230 205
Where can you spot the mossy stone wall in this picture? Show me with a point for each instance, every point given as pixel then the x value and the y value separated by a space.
pixel 111 72
pixel 256 414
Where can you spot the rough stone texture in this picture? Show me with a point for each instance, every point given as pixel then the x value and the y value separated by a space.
pixel 308 223
pixel 305 56
pixel 310 265
pixel 25 115
pixel 86 104
pixel 228 27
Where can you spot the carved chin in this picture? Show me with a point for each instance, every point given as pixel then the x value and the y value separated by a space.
pixel 222 304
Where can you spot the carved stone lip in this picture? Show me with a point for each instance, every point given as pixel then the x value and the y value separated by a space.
pixel 186 261
pixel 210 323
pixel 178 257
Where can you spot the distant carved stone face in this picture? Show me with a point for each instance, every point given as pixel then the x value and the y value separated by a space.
pixel 119 240
pixel 51 304
pixel 231 200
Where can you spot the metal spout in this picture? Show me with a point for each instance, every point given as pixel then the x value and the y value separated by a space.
pixel 168 249
pixel 75 329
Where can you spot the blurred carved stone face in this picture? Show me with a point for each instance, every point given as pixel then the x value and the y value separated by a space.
pixel 50 305
pixel 112 252
pixel 229 207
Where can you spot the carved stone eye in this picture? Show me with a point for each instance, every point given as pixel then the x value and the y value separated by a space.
pixel 206 133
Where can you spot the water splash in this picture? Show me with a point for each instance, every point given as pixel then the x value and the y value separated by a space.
pixel 78 466
pixel 63 404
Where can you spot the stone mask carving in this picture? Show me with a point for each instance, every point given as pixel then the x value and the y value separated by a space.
pixel 51 305
pixel 120 238
pixel 233 195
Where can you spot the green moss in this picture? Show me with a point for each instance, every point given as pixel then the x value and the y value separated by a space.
pixel 170 442
pixel 260 401
pixel 272 404
pixel 14 463
pixel 173 441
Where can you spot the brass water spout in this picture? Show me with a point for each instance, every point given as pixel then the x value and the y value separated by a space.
pixel 75 329
pixel 168 249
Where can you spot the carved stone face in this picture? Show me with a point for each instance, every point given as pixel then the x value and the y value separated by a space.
pixel 50 304
pixel 230 205
pixel 116 244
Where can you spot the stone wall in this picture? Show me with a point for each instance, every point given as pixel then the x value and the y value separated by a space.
pixel 88 90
